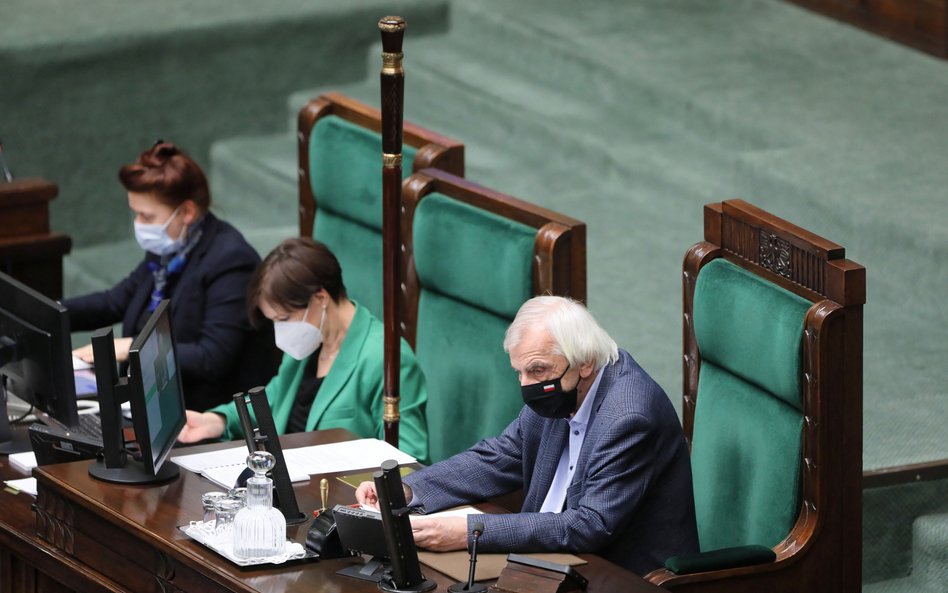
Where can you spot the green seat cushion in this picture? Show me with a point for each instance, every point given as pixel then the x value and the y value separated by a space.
pixel 751 327
pixel 745 462
pixel 720 559
pixel 345 163
pixel 472 393
pixel 472 255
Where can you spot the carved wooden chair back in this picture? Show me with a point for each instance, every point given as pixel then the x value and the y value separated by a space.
pixel 777 312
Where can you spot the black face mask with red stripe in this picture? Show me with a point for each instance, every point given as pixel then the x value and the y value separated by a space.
pixel 548 399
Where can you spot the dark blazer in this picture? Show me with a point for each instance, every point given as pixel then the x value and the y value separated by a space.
pixel 217 349
pixel 630 500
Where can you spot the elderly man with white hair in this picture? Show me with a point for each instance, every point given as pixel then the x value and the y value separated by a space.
pixel 597 449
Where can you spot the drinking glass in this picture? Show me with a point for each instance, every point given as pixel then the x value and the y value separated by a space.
pixel 209 500
pixel 225 510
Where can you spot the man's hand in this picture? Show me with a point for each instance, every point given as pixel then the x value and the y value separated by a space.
pixel 442 534
pixel 200 426
pixel 367 496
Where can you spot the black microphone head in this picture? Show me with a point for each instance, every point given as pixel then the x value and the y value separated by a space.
pixel 478 528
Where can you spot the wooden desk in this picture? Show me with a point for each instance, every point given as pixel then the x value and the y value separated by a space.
pixel 97 537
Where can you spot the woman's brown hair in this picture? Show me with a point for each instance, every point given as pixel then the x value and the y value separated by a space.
pixel 169 174
pixel 291 274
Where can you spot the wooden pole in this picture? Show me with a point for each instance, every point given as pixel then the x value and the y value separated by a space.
pixel 392 79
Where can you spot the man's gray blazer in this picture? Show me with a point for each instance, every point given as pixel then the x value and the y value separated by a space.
pixel 630 499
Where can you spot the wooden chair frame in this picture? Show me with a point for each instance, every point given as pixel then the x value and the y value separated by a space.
pixel 823 551
pixel 559 257
pixel 434 150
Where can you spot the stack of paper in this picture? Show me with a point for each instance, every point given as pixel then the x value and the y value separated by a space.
pixel 24 462
pixel 223 466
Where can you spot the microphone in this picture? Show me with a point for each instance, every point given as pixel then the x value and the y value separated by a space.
pixel 469 586
pixel 7 175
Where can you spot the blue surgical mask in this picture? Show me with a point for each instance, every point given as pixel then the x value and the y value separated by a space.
pixel 154 237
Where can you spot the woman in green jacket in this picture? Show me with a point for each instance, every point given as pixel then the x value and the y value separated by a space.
pixel 332 370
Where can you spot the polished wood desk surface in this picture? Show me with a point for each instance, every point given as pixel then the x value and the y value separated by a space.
pixel 110 537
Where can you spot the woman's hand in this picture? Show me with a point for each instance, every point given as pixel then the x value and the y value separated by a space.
pixel 201 426
pixel 121 351
pixel 84 354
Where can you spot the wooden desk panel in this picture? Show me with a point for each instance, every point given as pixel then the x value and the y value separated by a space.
pixel 28 250
pixel 96 536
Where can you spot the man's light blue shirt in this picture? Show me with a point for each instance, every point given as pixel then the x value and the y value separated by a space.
pixel 556 497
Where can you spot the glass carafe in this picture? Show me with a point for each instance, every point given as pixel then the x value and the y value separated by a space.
pixel 259 529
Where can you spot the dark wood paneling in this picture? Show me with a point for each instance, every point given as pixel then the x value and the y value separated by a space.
pixel 922 24
pixel 29 252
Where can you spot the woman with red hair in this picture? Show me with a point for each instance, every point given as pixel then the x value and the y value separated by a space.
pixel 201 263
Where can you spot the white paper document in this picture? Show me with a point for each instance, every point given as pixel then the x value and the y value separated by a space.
pixel 27 485
pixel 223 466
pixel 24 461
pixel 78 364
pixel 345 456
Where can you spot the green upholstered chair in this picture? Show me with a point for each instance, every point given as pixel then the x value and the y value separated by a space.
pixel 472 256
pixel 772 408
pixel 340 187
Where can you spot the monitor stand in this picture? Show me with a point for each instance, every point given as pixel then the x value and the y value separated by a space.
pixel 132 472
pixel 373 570
pixel 11 439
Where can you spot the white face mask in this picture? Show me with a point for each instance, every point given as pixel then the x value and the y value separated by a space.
pixel 299 339
pixel 154 237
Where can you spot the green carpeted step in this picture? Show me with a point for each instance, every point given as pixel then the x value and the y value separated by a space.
pixel 85 269
pixel 88 85
pixel 253 180
pixel 265 239
pixel 930 551
pixel 928 554
pixel 889 514
pixel 903 585
pixel 687 106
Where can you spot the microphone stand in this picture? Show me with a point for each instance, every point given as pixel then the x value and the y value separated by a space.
pixel 469 586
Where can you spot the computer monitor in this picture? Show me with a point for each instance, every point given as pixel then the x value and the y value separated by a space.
pixel 35 358
pixel 153 389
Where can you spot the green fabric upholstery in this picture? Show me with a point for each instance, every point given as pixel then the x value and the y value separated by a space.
pixel 472 393
pixel 345 162
pixel 751 327
pixel 747 440
pixel 359 251
pixel 720 559
pixel 473 255
pixel 745 462
pixel 474 271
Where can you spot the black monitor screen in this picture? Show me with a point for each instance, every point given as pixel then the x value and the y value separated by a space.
pixel 155 393
pixel 35 350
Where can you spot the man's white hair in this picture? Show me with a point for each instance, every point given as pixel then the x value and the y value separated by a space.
pixel 575 332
